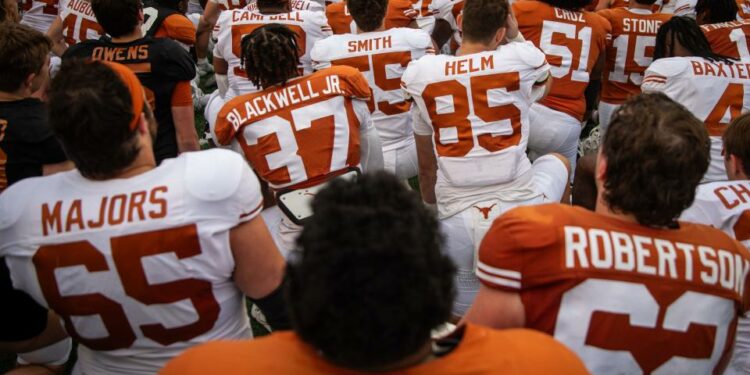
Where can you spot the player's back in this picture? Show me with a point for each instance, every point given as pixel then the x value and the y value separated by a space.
pixel 626 298
pixel 729 38
pixel 715 92
pixel 138 268
pixel 572 42
pixel 302 133
pixel 398 14
pixel 629 52
pixel 39 14
pixel 724 205
pixel 78 21
pixel 233 25
pixel 382 57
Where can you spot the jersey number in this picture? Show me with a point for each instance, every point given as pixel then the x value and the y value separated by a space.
pixel 731 101
pixel 150 16
pixel 740 39
pixel 454 136
pixel 128 253
pixel 639 58
pixel 632 314
pixel 291 146
pixel 378 64
pixel 576 46
pixel 76 29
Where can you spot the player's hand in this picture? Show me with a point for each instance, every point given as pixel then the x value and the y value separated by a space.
pixel 512 28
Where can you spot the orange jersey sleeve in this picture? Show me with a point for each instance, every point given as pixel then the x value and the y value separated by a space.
pixel 179 28
pixel 182 96
pixel 399 14
pixel 356 84
pixel 629 51
pixel 730 38
pixel 572 42
pixel 339 18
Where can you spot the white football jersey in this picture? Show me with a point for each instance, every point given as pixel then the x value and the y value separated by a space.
pixel 726 205
pixel 715 92
pixel 78 21
pixel 235 24
pixel 310 5
pixel 477 108
pixel 382 57
pixel 425 19
pixel 683 7
pixel 39 14
pixel 139 269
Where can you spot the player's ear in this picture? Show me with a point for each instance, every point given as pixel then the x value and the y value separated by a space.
pixel 29 81
pixel 500 36
pixel 601 169
pixel 460 21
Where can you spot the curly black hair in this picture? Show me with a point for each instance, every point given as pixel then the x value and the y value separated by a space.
pixel 270 55
pixel 687 32
pixel 372 281
pixel 657 152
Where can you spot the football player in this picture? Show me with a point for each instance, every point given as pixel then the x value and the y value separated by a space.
pixel 27 144
pixel 629 52
pixel 163 66
pixel 726 205
pixel 629 288
pixel 299 131
pixel 235 24
pixel 446 22
pixel 39 14
pixel 74 24
pixel 380 297
pixel 714 87
pixel 141 262
pixel 382 56
pixel 574 42
pixel 471 127
pixel 726 35
pixel 399 13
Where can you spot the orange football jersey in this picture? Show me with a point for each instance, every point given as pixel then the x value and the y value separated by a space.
pixel 301 133
pixel 629 51
pixel 627 299
pixel 481 351
pixel 399 14
pixel 729 38
pixel 572 42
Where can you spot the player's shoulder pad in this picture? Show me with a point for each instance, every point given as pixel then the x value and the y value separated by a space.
pixel 415 67
pixel 529 54
pixel 669 66
pixel 81 50
pixel 13 200
pixel 321 51
pixel 355 84
pixel 417 38
pixel 174 59
pixel 316 18
pixel 213 175
pixel 225 17
pixel 536 226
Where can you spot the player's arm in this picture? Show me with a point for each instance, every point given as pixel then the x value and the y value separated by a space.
pixel 371 149
pixel 206 24
pixel 183 116
pixel 427 167
pixel 52 332
pixel 54 33
pixel 497 309
pixel 221 68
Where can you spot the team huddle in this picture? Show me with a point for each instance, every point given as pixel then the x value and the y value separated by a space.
pixel 396 186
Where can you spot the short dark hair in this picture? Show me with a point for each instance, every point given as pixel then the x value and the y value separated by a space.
pixel 372 281
pixel 646 2
pixel 687 32
pixel 482 19
pixel 575 5
pixel 90 112
pixel 657 152
pixel 737 141
pixel 23 51
pixel 270 55
pixel 718 10
pixel 368 14
pixel 117 17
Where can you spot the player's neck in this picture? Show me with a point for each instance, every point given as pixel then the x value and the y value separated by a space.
pixel 468 48
pixel 135 35
pixel 603 208
pixel 423 355
pixel 381 28
pixel 274 10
